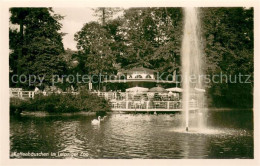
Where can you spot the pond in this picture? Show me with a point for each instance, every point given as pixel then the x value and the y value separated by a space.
pixel 229 134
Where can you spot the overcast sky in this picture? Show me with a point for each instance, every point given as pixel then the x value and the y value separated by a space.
pixel 74 20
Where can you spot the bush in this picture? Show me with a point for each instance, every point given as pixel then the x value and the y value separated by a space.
pixel 50 107
pixel 62 103
pixel 17 105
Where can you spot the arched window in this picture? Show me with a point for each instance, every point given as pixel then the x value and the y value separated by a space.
pixel 138 76
pixel 113 77
pixel 122 77
pixel 148 76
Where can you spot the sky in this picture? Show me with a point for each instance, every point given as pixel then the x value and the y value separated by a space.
pixel 73 21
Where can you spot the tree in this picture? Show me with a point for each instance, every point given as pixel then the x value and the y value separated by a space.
pixel 41 43
pixel 105 14
pixel 228 34
pixel 18 17
pixel 93 43
pixel 151 37
pixel 148 37
pixel 94 50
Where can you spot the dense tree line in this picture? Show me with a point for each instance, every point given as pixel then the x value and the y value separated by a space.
pixel 148 37
pixel 151 37
pixel 229 49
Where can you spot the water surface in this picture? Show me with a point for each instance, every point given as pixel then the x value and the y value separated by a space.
pixel 229 135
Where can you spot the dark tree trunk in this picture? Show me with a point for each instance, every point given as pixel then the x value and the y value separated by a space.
pixel 103 16
pixel 20 54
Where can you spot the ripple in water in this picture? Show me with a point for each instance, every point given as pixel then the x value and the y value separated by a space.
pixel 135 136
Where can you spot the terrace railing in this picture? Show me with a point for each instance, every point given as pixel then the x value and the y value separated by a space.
pixel 150 105
pixel 30 94
pixel 121 101
pixel 22 94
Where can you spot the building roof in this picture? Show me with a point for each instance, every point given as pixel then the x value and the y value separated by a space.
pixel 138 69
pixel 140 80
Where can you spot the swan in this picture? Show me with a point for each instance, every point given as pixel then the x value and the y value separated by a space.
pixel 96 121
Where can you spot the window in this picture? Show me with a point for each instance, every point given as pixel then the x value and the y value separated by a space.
pixel 113 77
pixel 148 76
pixel 138 76
pixel 122 77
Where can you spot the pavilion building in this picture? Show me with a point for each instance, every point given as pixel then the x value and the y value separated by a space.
pixel 138 77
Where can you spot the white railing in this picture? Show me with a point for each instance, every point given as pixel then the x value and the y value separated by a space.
pixel 30 94
pixel 137 96
pixel 150 105
pixel 22 94
pixel 123 100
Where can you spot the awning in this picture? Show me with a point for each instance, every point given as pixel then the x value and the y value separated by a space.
pixel 175 89
pixel 157 89
pixel 137 89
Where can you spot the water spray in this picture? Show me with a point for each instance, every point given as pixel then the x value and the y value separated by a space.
pixel 191 58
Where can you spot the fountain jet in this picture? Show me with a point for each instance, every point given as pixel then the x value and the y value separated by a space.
pixel 191 57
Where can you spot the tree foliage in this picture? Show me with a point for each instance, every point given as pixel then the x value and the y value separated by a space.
pixel 41 42
pixel 151 37
pixel 105 14
pixel 229 37
pixel 148 37
pixel 94 45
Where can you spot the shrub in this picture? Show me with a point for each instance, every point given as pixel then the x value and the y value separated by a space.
pixel 17 105
pixel 62 103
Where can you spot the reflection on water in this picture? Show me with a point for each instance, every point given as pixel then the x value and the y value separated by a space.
pixel 229 135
